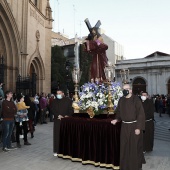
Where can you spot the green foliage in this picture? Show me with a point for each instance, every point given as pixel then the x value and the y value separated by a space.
pixel 58 71
pixel 63 76
pixel 85 62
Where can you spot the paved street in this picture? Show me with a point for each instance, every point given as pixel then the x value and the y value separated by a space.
pixel 159 159
pixel 39 155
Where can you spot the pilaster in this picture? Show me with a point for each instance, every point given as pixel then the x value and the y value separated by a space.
pixel 24 54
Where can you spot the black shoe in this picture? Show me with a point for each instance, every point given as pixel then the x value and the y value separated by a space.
pixel 5 150
pixel 32 135
pixel 18 145
pixel 44 122
pixel 27 143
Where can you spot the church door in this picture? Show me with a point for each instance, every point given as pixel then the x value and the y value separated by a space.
pixel 139 85
pixel 168 86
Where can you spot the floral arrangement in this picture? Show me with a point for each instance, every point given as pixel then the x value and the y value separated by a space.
pixel 95 95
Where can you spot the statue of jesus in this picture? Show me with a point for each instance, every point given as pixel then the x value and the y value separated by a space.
pixel 94 44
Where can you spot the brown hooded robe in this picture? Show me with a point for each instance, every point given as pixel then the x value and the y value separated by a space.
pixel 148 136
pixel 131 145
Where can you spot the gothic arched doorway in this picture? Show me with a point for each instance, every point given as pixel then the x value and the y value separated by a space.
pixel 139 85
pixel 32 69
pixel 10 45
pixel 36 68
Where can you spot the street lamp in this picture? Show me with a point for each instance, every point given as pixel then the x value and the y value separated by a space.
pixel 109 73
pixel 124 73
pixel 68 79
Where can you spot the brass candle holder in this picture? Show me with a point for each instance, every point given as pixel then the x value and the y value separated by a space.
pixel 110 97
pixel 109 73
pixel 76 75
pixel 124 73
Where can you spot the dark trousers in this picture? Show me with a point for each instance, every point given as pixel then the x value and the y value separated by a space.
pixel 42 115
pixel 19 129
pixel 31 126
pixel 160 111
pixel 168 110
pixel 35 118
pixel 8 126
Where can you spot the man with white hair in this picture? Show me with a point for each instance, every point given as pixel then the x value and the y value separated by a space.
pixel 130 112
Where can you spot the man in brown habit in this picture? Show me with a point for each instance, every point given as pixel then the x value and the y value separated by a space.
pixel 148 136
pixel 61 107
pixel 130 112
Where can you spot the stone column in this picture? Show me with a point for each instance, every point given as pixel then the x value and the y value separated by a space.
pixel 24 37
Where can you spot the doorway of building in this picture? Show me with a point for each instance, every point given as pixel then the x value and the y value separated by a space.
pixel 139 85
pixel 27 85
pixel 168 85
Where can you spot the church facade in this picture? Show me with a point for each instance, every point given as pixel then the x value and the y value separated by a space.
pixel 151 74
pixel 25 42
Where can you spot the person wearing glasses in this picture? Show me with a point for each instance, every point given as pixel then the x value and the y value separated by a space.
pixel 130 111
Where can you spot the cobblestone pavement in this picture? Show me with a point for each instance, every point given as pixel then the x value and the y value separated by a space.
pixel 39 155
pixel 162 124
pixel 159 158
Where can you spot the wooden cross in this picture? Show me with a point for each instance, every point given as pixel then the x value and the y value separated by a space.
pixel 90 28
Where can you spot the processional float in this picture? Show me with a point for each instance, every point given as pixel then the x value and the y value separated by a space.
pixel 101 71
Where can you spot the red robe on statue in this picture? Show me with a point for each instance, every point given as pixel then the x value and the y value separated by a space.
pixel 98 50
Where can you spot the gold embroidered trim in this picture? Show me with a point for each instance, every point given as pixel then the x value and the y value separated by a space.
pixel 89 162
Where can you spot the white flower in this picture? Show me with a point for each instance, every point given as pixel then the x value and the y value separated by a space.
pixel 90 94
pixel 96 96
pixel 100 95
pixel 87 89
pixel 120 94
pixel 115 102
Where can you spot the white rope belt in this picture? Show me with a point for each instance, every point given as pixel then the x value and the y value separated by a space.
pixel 130 122
pixel 149 120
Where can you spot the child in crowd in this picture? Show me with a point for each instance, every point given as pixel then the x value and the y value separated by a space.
pixel 21 110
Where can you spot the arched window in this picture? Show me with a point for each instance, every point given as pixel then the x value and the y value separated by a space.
pixel 139 85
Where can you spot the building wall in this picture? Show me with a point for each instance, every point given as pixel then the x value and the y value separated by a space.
pixel 31 32
pixel 155 71
pixel 114 52
pixel 110 52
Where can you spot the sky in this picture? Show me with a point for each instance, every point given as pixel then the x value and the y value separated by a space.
pixel 141 26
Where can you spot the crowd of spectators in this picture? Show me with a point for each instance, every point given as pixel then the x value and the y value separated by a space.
pixel 19 116
pixel 162 104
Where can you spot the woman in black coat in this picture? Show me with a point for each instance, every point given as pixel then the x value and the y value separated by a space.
pixel 31 114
